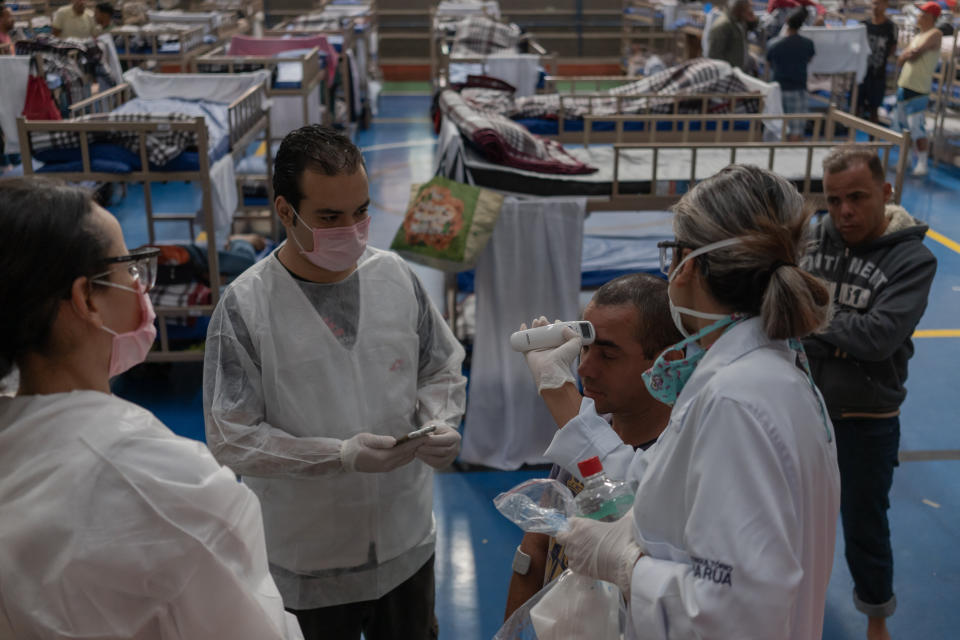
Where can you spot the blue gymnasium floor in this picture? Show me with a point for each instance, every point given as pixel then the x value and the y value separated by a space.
pixel 475 544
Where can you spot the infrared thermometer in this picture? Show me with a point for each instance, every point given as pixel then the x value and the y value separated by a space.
pixel 551 335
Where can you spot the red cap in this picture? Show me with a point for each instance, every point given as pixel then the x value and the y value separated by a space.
pixel 590 466
pixel 930 7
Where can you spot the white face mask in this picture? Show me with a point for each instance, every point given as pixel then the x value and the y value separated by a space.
pixel 676 312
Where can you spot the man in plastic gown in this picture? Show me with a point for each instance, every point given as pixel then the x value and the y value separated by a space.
pixel 318 360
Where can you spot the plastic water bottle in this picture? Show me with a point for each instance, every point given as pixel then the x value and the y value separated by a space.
pixel 601 498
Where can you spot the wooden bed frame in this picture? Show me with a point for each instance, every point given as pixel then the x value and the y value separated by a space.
pixel 248 117
pixel 191 46
pixel 347 31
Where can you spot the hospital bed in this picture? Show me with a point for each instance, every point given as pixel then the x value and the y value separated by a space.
pixel 444 18
pixel 471 48
pixel 649 26
pixel 244 8
pixel 350 38
pixel 654 174
pixel 218 26
pixel 299 91
pixel 159 44
pixel 157 128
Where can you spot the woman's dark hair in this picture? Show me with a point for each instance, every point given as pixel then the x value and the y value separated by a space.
pixel 315 147
pixel 47 240
pixel 760 275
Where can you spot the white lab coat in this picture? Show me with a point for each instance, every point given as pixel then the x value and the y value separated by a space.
pixel 114 527
pixel 737 503
pixel 281 393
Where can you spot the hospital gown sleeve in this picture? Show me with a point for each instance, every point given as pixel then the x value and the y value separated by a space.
pixel 742 536
pixel 191 562
pixel 234 411
pixel 441 387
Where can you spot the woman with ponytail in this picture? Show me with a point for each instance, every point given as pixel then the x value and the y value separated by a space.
pixel 733 525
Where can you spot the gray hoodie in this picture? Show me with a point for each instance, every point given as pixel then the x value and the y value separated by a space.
pixel 880 292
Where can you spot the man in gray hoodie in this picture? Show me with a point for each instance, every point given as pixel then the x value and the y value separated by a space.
pixel 871 253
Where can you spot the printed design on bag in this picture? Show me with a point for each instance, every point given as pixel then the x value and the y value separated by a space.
pixel 435 219
pixel 712 570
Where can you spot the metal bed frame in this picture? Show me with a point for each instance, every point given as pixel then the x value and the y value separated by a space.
pixel 248 116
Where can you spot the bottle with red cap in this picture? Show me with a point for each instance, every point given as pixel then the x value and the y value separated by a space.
pixel 601 498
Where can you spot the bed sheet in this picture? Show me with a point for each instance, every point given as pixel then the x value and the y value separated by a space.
pixel 636 169
pixel 522 71
pixel 214 113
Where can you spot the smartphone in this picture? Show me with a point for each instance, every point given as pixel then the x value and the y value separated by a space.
pixel 419 433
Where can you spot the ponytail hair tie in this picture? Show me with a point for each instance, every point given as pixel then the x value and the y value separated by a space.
pixel 780 263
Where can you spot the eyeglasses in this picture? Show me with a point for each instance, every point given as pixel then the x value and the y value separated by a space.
pixel 141 264
pixel 667 250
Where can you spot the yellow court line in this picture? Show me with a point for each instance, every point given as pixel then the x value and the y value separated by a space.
pixel 262 149
pixel 937 333
pixel 944 240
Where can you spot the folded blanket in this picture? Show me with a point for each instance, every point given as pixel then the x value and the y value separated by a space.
pixel 503 141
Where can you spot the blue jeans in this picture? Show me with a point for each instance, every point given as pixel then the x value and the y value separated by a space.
pixel 867 454
pixel 795 102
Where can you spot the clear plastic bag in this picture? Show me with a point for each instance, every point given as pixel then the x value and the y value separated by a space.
pixel 538 506
pixel 571 607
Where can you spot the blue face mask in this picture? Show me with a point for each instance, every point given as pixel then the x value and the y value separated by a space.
pixel 666 378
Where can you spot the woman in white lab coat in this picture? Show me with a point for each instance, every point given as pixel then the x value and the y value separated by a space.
pixel 112 526
pixel 734 521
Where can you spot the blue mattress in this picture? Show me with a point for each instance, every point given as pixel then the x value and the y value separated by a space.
pixel 614 244
pixel 113 158
pixel 550 127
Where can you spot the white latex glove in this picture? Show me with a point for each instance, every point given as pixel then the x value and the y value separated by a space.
pixel 551 368
pixel 441 447
pixel 371 453
pixel 602 550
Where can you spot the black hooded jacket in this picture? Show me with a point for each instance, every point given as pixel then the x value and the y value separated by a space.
pixel 880 292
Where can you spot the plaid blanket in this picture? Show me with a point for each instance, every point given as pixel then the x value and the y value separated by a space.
pixel 503 141
pixel 481 36
pixel 87 53
pixel 697 76
pixel 162 145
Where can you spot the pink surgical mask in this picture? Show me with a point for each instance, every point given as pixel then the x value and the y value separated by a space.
pixel 131 348
pixel 337 248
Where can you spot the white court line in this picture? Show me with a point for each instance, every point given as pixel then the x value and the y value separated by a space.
pixel 400 145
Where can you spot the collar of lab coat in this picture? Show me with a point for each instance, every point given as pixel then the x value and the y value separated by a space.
pixel 736 342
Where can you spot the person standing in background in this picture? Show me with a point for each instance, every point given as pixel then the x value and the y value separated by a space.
pixel 74 20
pixel 871 253
pixel 919 61
pixel 728 35
pixel 789 56
pixel 882 36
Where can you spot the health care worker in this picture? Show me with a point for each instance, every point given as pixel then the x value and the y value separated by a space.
pixel 112 526
pixel 732 530
pixel 317 359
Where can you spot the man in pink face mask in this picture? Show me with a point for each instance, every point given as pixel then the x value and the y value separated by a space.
pixel 320 359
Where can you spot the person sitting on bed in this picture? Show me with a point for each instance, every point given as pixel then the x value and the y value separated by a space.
pixel 74 20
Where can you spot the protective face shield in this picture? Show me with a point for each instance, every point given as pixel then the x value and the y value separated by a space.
pixel 337 248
